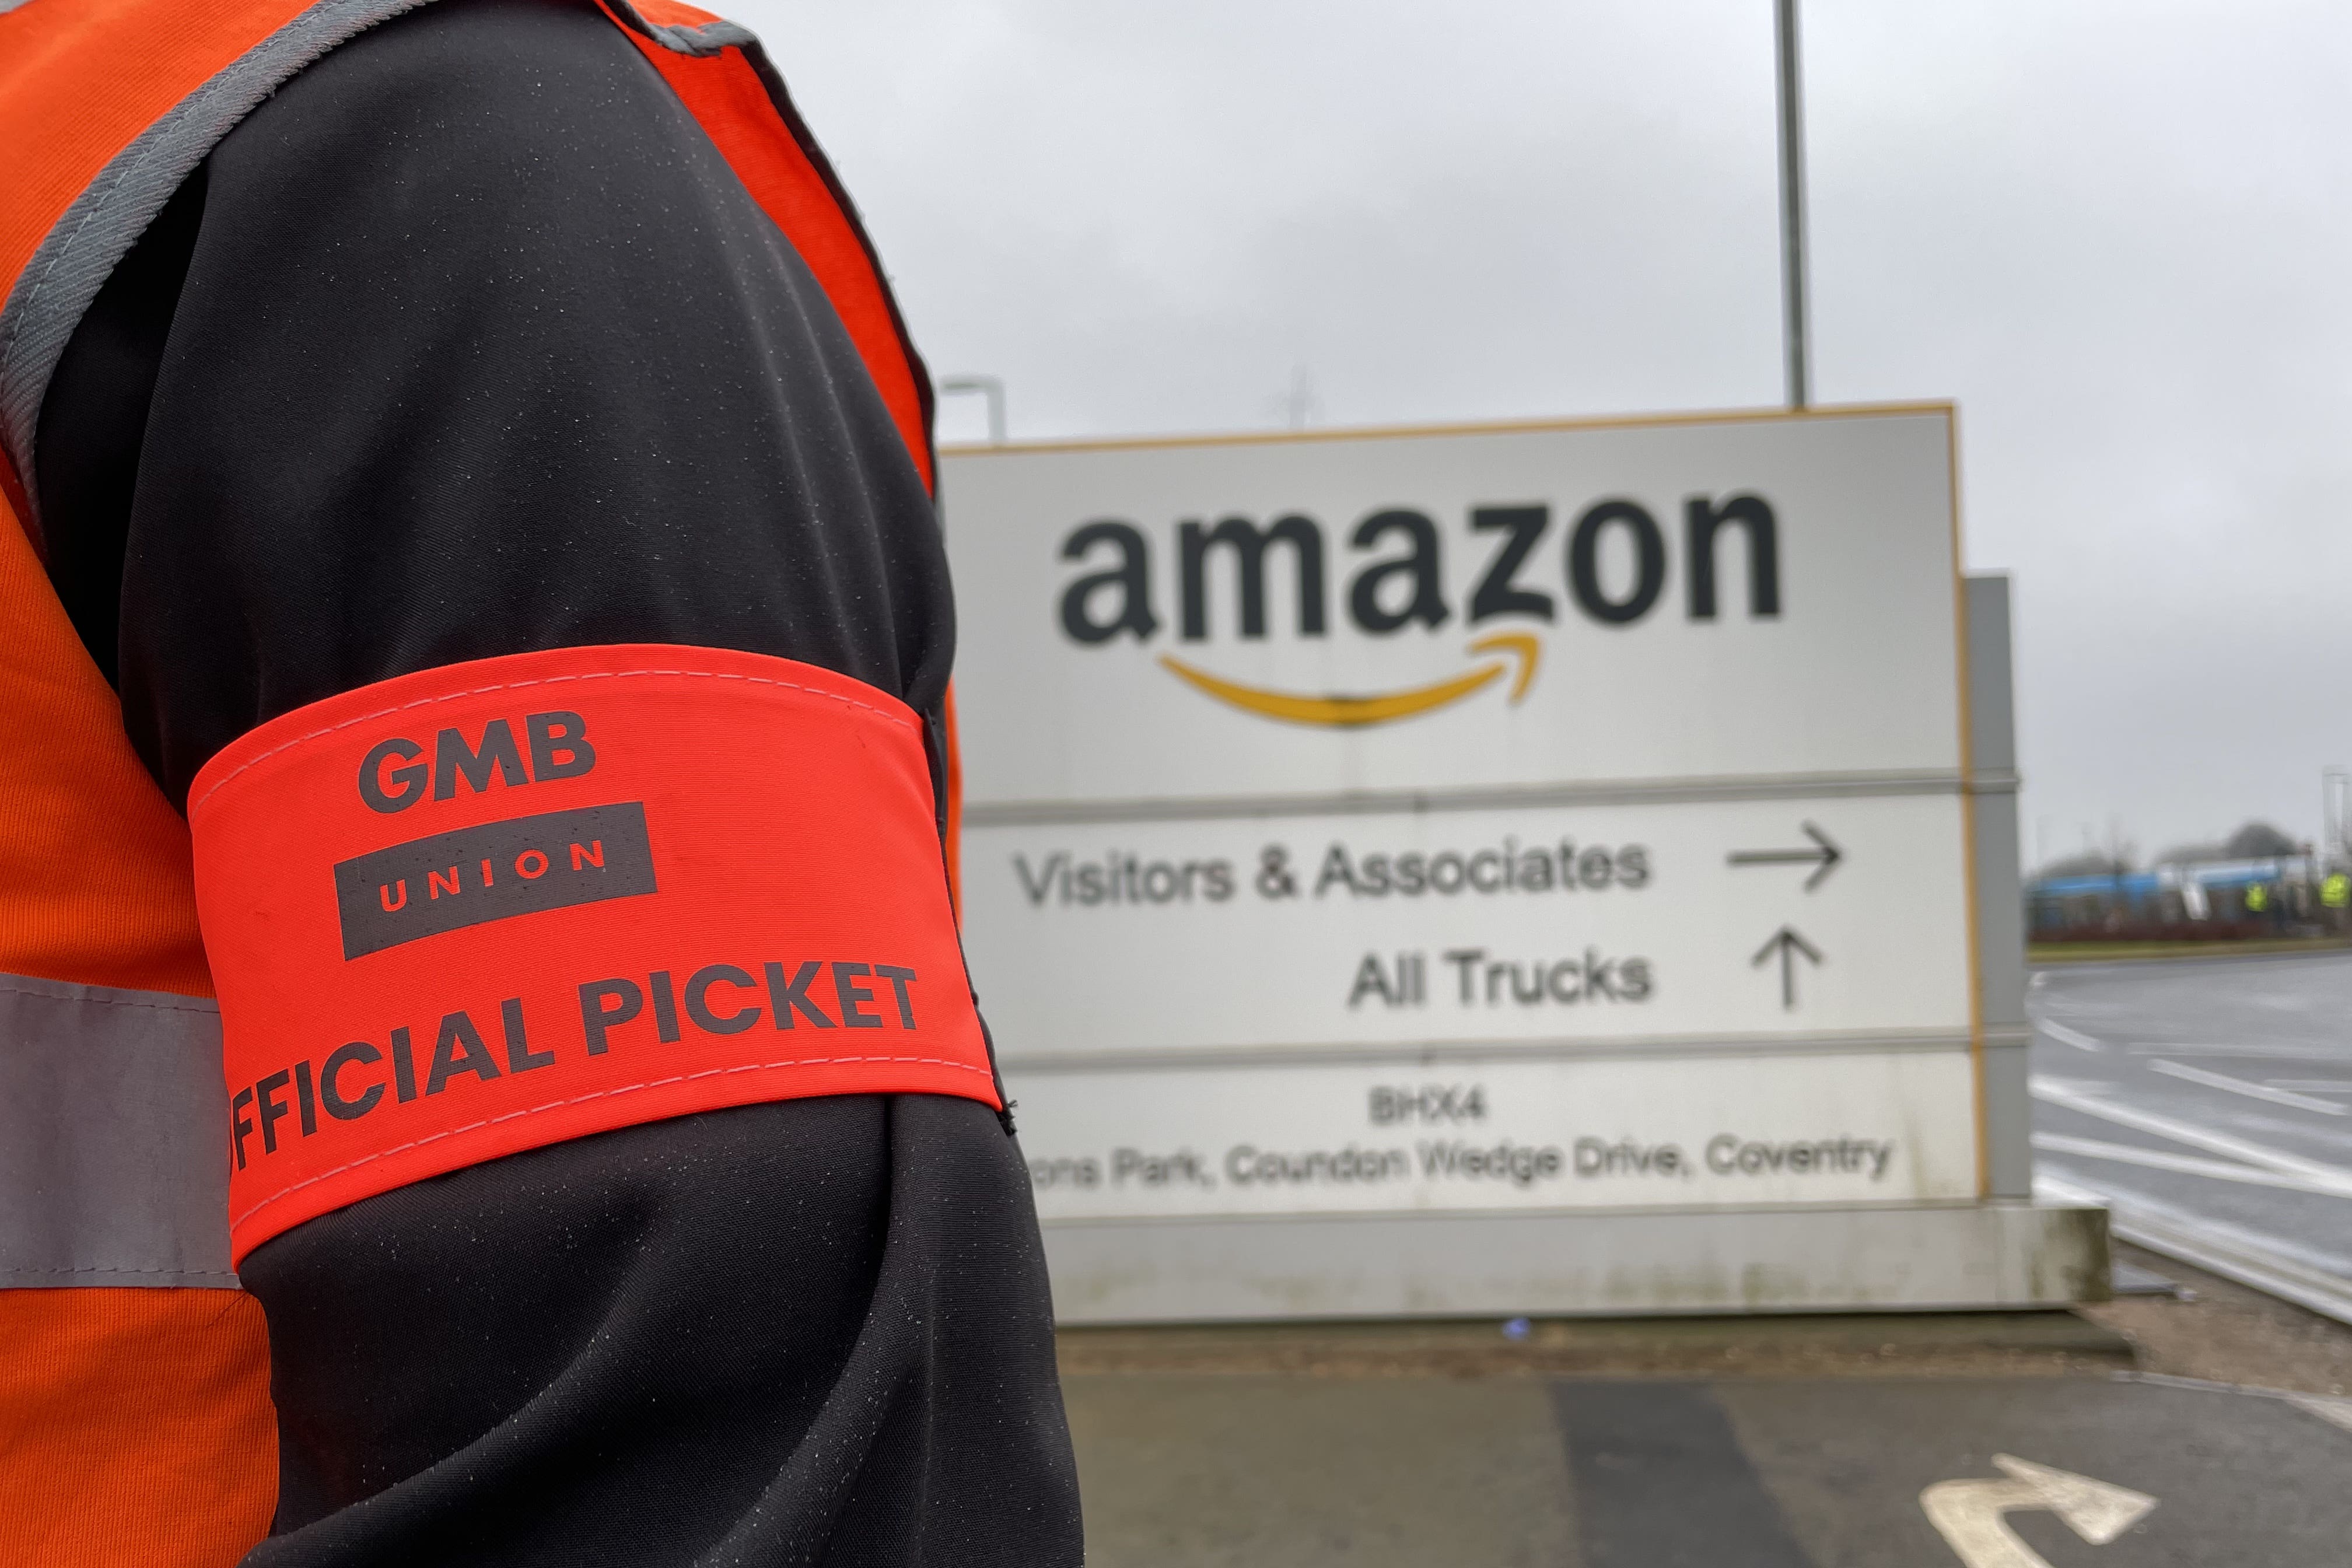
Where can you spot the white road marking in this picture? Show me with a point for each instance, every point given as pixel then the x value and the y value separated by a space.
pixel 2334 1409
pixel 2251 1091
pixel 1968 1514
pixel 2225 1249
pixel 2328 1057
pixel 2066 1036
pixel 2187 1164
pixel 2337 1412
pixel 2073 1098
pixel 2313 1085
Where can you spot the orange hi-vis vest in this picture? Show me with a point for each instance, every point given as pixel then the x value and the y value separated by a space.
pixel 464 912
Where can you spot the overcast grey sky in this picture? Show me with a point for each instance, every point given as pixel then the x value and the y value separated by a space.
pixel 2118 234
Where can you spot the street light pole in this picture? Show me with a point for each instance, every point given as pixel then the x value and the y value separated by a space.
pixel 2335 813
pixel 993 388
pixel 1792 206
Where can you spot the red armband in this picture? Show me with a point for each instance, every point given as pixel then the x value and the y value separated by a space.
pixel 497 905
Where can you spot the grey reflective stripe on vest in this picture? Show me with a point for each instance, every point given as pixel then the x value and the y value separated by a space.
pixel 79 254
pixel 113 1143
pixel 701 38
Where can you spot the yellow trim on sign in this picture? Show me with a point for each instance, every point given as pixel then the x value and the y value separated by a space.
pixel 1488 428
pixel 1337 712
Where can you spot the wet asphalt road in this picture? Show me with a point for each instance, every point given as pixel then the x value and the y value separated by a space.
pixel 1529 1472
pixel 2209 1101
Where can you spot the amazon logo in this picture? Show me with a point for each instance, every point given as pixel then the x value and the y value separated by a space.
pixel 1612 567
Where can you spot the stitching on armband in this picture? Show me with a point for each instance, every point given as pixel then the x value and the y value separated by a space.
pixel 882 713
pixel 583 1098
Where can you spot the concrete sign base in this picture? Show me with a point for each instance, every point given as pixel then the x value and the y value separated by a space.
pixel 1992 1255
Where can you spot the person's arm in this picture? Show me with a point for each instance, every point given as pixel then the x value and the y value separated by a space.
pixel 469 345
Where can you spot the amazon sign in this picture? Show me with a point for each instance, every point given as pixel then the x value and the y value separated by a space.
pixel 1434 739
pixel 1508 821
pixel 1392 571
pixel 1445 614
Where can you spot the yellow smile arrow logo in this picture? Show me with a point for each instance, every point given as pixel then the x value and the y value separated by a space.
pixel 1354 712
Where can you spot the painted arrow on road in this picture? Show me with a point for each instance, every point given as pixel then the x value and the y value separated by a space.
pixel 1823 855
pixel 1789 944
pixel 1968 1514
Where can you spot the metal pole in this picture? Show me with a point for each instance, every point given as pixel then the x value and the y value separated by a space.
pixel 993 388
pixel 2335 818
pixel 1792 208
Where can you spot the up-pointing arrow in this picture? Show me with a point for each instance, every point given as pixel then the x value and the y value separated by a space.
pixel 1788 945
pixel 1968 1514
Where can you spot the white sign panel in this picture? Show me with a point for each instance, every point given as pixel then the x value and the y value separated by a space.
pixel 1611 771
pixel 1568 923
pixel 1611 1133
pixel 1751 598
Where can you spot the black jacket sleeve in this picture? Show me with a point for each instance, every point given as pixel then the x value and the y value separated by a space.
pixel 467 343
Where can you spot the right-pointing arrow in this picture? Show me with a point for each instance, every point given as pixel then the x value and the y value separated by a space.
pixel 1788 944
pixel 1823 856
pixel 1968 1514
